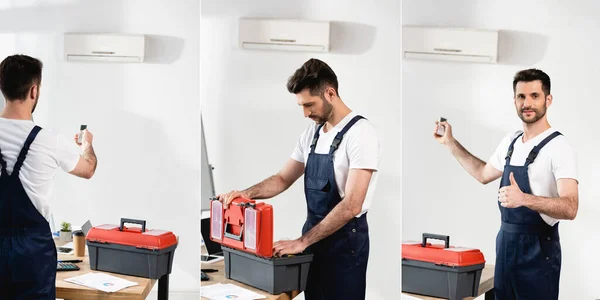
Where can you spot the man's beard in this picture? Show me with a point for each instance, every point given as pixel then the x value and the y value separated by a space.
pixel 327 111
pixel 538 114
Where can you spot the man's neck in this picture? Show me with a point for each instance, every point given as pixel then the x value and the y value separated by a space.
pixel 532 130
pixel 15 112
pixel 337 116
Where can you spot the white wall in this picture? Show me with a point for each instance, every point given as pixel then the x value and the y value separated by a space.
pixel 145 117
pixel 440 197
pixel 252 123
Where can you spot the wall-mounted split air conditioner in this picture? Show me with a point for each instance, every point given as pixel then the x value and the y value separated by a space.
pixel 104 47
pixel 450 43
pixel 284 35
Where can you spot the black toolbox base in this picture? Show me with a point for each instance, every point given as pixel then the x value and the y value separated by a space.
pixel 440 281
pixel 274 275
pixel 132 261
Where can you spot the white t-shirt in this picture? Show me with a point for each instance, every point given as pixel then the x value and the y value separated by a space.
pixel 556 160
pixel 359 149
pixel 47 153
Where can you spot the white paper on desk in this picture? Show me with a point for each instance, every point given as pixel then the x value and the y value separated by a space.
pixel 228 291
pixel 67 245
pixel 101 281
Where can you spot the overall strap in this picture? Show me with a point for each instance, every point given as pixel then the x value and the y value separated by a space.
pixel 313 144
pixel 511 148
pixel 536 150
pixel 25 149
pixel 338 138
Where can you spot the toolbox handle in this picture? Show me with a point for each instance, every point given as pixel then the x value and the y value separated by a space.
pixel 231 235
pixel 445 238
pixel 133 221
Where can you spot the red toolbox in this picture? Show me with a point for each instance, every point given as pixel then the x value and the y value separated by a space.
pixel 135 251
pixel 245 225
pixel 245 231
pixel 441 270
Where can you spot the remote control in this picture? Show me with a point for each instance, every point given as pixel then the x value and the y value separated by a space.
pixel 441 129
pixel 81 129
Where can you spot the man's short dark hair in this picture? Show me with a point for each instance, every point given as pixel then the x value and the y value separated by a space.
pixel 315 75
pixel 17 74
pixel 533 75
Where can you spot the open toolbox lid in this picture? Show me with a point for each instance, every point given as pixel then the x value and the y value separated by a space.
pixel 441 254
pixel 245 225
pixel 152 239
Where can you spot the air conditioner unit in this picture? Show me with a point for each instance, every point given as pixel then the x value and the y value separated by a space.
pixel 286 35
pixel 104 47
pixel 450 43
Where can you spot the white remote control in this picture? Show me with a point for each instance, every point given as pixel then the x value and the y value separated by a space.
pixel 441 129
pixel 80 137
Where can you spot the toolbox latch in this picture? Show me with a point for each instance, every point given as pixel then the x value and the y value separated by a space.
pixel 98 241
pixel 147 247
pixel 247 204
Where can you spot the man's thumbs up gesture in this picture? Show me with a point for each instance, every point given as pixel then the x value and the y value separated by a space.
pixel 511 196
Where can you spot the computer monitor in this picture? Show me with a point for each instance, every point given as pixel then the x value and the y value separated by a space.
pixel 86 227
pixel 215 253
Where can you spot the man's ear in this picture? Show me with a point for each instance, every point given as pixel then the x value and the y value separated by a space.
pixel 34 91
pixel 330 92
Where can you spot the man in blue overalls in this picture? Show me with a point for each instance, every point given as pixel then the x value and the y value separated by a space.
pixel 29 158
pixel 339 156
pixel 539 187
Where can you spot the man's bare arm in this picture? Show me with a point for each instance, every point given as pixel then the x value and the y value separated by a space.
pixel 483 172
pixel 86 166
pixel 564 207
pixel 270 187
pixel 276 184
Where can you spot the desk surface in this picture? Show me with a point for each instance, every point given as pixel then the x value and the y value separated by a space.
pixel 486 283
pixel 219 277
pixel 67 290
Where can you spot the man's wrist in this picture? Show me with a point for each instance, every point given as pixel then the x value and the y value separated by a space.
pixel 247 193
pixel 451 143
pixel 527 200
pixel 303 241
